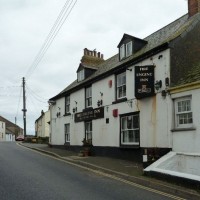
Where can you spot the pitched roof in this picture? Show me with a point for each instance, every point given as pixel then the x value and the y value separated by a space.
pixel 8 123
pixel 185 59
pixel 157 40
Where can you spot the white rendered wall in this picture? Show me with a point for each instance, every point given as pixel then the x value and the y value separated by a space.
pixel 155 112
pixel 189 141
pixel 2 131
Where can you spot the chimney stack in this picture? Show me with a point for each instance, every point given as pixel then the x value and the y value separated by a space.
pixel 92 58
pixel 193 7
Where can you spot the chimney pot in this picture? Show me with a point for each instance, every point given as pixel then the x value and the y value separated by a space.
pixel 193 7
pixel 95 53
pixel 101 56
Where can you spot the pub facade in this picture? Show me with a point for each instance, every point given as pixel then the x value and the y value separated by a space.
pixel 114 106
pixel 139 104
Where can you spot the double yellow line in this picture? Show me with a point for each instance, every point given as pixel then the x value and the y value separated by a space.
pixel 109 176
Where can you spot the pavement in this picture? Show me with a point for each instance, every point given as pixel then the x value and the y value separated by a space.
pixel 120 169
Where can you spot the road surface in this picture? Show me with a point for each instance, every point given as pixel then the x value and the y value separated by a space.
pixel 29 175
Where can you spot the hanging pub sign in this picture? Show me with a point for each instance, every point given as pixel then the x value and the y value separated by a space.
pixel 89 114
pixel 144 81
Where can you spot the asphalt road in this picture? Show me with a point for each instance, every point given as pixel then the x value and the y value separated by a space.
pixel 29 175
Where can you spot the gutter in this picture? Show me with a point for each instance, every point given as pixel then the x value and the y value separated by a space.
pixel 185 87
pixel 122 66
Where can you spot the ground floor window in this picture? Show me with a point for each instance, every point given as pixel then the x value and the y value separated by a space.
pixel 130 129
pixel 88 131
pixel 67 132
pixel 183 112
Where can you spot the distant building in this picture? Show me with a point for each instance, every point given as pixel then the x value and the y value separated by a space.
pixel 42 124
pixel 11 130
pixel 2 131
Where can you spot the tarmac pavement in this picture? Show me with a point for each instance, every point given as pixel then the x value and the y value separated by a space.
pixel 122 169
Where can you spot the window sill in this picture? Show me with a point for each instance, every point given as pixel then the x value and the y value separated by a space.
pixel 129 146
pixel 67 114
pixel 119 100
pixel 183 129
pixel 87 109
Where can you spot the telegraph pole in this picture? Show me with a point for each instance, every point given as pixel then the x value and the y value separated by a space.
pixel 24 105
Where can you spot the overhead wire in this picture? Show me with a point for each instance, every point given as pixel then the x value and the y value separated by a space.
pixel 36 96
pixel 66 10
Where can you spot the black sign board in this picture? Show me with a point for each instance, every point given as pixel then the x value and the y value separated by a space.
pixel 89 114
pixel 144 81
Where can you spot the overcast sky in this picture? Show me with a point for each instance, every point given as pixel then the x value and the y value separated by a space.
pixel 92 24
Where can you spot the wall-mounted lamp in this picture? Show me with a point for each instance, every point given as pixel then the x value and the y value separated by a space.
pixel 158 84
pixel 101 93
pixel 129 69
pixel 74 110
pixel 160 56
pixel 167 81
pixel 99 103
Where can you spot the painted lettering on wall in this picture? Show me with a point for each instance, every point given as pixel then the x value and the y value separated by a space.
pixel 89 115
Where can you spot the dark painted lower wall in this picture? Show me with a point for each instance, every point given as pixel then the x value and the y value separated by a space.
pixel 153 154
pixel 132 154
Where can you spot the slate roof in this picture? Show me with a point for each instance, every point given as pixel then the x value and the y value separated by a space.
pixel 10 125
pixel 159 39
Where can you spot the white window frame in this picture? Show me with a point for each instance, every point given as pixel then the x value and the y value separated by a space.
pixel 88 131
pixel 134 129
pixel 67 104
pixel 67 132
pixel 122 51
pixel 121 85
pixel 88 97
pixel 183 112
pixel 81 75
pixel 129 49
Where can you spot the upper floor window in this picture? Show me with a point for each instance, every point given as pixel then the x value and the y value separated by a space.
pixel 121 85
pixel 122 52
pixel 81 75
pixel 67 104
pixel 88 97
pixel 183 112
pixel 126 50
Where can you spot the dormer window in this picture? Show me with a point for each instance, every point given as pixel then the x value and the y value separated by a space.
pixel 129 45
pixel 126 50
pixel 81 75
pixel 129 49
pixel 122 52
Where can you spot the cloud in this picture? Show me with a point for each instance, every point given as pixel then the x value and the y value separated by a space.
pixel 92 24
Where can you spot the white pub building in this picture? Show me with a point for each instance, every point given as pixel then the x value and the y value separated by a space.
pixel 138 104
